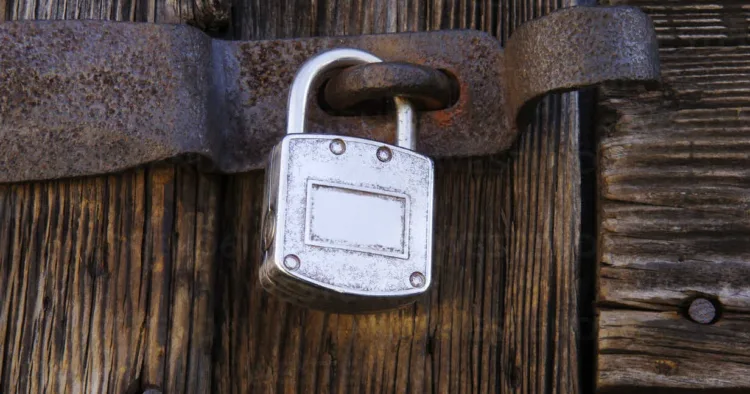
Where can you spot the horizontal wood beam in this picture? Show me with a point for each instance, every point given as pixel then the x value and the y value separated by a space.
pixel 675 210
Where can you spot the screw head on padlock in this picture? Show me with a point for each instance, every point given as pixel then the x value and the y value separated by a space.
pixel 347 221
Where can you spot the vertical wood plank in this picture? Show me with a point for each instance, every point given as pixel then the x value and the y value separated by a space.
pixel 198 369
pixel 106 281
pixel 540 346
pixel 210 15
pixel 93 296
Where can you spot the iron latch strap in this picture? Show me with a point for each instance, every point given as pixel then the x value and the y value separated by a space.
pixel 88 97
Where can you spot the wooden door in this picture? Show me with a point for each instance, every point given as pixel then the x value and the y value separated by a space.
pixel 148 278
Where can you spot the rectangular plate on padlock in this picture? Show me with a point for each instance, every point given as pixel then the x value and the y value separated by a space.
pixel 348 224
pixel 359 219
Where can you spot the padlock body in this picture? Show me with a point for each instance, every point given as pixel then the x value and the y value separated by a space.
pixel 347 223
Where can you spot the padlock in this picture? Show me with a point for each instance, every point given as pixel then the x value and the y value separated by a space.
pixel 347 223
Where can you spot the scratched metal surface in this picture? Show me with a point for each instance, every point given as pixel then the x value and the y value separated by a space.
pixel 345 276
pixel 618 41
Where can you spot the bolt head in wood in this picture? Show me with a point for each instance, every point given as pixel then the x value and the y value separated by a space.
pixel 702 311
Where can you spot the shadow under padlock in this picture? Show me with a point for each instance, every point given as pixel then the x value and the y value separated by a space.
pixel 347 221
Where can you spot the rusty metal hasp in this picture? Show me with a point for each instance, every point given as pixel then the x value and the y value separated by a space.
pixel 85 97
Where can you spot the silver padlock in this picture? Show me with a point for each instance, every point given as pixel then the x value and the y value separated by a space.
pixel 348 221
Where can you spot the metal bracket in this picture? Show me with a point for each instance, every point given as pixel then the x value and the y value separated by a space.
pixel 84 97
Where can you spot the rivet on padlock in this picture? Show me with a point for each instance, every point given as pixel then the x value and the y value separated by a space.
pixel 348 221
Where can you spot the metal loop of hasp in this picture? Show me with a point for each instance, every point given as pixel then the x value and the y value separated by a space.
pixel 427 88
pixel 308 76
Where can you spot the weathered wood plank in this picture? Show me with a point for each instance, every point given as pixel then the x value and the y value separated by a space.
pixel 540 330
pixel 55 302
pixel 540 347
pixel 86 290
pixel 114 294
pixel 692 23
pixel 666 350
pixel 675 208
pixel 205 14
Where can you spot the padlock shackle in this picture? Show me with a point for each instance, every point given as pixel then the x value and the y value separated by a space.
pixel 307 77
pixel 406 126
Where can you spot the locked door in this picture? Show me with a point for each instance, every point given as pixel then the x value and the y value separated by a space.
pixel 147 279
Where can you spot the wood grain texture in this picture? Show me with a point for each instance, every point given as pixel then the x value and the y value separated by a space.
pixel 149 278
pixel 89 284
pixel 206 14
pixel 675 208
pixel 541 327
pixel 668 353
pixel 105 282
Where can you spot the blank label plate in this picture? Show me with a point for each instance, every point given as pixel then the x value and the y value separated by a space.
pixel 357 219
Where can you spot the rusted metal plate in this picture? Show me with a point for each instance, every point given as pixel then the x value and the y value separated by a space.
pixel 426 88
pixel 80 98
pixel 84 97
pixel 258 76
pixel 578 47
